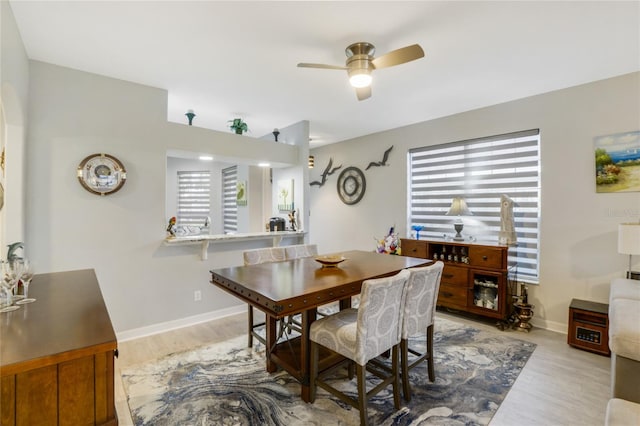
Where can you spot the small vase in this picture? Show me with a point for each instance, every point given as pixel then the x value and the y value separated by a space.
pixel 238 131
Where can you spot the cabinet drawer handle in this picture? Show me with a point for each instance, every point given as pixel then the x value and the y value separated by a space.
pixel 484 257
pixel 447 275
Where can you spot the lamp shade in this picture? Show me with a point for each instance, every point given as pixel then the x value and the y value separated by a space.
pixel 629 238
pixel 459 208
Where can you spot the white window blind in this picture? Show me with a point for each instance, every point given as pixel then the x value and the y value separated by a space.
pixel 480 171
pixel 194 197
pixel 229 201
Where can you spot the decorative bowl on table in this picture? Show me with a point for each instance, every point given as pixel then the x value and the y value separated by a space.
pixel 330 261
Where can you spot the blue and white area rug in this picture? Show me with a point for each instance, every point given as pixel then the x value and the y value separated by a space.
pixel 226 384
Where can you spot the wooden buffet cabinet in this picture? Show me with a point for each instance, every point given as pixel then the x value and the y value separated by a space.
pixel 57 354
pixel 475 278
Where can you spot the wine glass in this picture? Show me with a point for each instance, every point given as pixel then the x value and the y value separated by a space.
pixel 26 277
pixel 11 273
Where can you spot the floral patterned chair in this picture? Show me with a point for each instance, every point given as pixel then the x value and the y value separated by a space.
pixel 418 317
pixel 254 257
pixel 301 250
pixel 360 335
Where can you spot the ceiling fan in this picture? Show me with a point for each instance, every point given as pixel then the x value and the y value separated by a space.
pixel 360 62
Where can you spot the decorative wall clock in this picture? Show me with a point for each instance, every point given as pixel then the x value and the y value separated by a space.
pixel 101 174
pixel 351 185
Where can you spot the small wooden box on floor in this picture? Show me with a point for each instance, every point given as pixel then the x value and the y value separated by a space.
pixel 589 326
pixel 56 355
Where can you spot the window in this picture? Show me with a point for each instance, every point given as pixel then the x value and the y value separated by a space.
pixel 480 171
pixel 229 202
pixel 194 197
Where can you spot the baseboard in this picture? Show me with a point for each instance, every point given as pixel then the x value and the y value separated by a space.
pixel 558 327
pixel 162 327
pixel 150 330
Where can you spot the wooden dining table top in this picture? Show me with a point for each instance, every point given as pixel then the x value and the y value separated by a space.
pixel 292 286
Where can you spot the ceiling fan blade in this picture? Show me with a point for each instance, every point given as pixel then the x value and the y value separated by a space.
pixel 399 56
pixel 323 66
pixel 363 93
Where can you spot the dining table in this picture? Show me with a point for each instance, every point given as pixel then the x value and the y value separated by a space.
pixel 300 286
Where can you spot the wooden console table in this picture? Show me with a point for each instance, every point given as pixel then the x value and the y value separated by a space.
pixel 475 278
pixel 56 355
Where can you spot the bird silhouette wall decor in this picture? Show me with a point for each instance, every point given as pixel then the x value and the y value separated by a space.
pixel 328 171
pixel 385 157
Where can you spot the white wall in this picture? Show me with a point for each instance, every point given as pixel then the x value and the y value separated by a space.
pixel 578 244
pixel 14 75
pixel 144 282
pixel 297 134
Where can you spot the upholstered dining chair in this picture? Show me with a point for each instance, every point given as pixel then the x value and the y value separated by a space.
pixel 295 252
pixel 418 317
pixel 301 250
pixel 360 335
pixel 254 257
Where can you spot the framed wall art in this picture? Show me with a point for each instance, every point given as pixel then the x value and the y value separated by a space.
pixel 617 162
pixel 285 195
pixel 241 193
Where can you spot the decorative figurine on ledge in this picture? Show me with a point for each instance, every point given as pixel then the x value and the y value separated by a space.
pixel 417 228
pixel 171 228
pixel 292 219
pixel 507 234
pixel 13 248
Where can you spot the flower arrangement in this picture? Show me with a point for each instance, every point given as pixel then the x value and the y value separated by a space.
pixel 238 126
pixel 390 244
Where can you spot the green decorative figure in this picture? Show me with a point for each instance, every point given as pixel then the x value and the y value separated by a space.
pixel 11 253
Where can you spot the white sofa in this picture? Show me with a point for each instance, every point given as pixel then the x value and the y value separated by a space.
pixel 624 338
pixel 622 413
pixel 624 341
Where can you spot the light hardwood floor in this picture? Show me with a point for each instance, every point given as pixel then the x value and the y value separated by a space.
pixel 559 385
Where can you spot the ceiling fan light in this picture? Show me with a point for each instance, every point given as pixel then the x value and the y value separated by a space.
pixel 360 78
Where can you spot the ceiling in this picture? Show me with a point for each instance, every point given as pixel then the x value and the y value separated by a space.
pixel 238 59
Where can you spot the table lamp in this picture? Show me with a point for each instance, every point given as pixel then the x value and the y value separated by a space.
pixel 629 241
pixel 458 208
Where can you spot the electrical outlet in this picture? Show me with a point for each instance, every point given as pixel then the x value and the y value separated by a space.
pixel 197 295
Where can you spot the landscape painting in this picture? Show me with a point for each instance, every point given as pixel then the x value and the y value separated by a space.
pixel 618 162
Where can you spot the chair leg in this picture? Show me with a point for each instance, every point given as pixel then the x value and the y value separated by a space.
pixel 432 374
pixel 404 364
pixel 362 394
pixel 396 377
pixel 314 372
pixel 250 330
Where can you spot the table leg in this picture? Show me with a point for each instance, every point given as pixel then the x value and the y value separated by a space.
pixel 345 303
pixel 308 317
pixel 271 341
